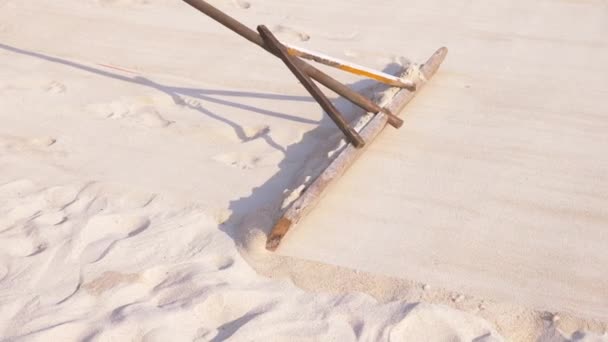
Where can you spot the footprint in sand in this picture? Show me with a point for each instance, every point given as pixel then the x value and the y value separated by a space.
pixel 150 117
pixel 347 36
pixel 41 142
pixel 102 232
pixel 240 161
pixel 245 161
pixel 23 144
pixel 146 116
pixel 55 87
pixel 351 53
pixel 242 3
pixel 289 33
pixel 254 132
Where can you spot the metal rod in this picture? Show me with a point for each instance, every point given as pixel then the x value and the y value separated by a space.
pixel 273 43
pixel 311 71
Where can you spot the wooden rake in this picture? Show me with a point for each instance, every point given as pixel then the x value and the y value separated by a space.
pixel 366 129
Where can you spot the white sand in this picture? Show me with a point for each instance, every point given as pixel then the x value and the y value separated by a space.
pixel 497 186
pixel 141 143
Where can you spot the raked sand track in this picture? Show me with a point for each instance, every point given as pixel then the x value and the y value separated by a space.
pixel 498 183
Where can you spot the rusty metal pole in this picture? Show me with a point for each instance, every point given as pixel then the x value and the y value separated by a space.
pixel 311 71
pixel 273 43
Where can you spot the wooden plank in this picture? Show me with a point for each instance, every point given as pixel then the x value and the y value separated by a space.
pixel 311 196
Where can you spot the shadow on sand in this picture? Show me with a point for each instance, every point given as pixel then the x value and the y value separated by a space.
pixel 302 161
pixel 253 216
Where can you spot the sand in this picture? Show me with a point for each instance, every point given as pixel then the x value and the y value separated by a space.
pixel 144 150
pixel 497 186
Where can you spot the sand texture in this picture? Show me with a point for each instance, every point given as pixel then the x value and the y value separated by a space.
pixel 498 183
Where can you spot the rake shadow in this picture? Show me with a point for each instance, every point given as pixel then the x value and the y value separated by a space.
pixel 303 160
pixel 179 95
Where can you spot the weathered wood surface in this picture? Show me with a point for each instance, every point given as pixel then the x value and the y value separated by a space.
pixel 309 198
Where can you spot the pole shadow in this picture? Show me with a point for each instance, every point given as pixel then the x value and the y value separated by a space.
pixel 302 162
